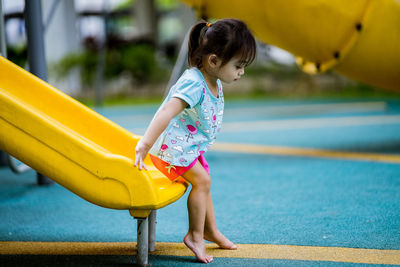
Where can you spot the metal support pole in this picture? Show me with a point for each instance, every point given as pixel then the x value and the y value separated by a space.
pixel 3 52
pixel 142 257
pixel 3 157
pixel 34 30
pixel 36 54
pixel 152 230
pixel 3 45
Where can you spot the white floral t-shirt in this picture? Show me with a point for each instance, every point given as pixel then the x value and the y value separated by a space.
pixel 194 130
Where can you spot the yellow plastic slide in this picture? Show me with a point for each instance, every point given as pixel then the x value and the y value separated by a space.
pixel 360 39
pixel 76 147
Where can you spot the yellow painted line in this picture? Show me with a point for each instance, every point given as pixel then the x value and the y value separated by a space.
pixel 287 252
pixel 304 152
pixel 67 248
pixel 248 251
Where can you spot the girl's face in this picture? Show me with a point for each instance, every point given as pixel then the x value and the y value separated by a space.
pixel 231 71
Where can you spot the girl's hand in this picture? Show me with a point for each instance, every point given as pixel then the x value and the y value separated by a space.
pixel 141 152
pixel 160 121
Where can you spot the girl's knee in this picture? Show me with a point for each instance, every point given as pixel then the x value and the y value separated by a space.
pixel 198 177
pixel 203 182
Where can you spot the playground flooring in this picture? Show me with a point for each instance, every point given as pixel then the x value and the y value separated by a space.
pixel 294 183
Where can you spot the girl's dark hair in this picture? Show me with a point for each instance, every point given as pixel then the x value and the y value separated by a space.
pixel 225 38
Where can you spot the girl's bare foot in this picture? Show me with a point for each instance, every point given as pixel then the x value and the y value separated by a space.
pixel 218 238
pixel 198 249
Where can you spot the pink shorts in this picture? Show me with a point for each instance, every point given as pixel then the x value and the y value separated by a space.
pixel 173 172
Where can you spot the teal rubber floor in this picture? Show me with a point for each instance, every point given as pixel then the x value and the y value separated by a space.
pixel 258 198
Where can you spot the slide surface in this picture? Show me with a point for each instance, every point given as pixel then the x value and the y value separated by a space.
pixel 76 147
pixel 359 39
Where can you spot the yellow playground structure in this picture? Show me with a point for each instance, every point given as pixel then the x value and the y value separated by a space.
pixel 78 148
pixel 359 39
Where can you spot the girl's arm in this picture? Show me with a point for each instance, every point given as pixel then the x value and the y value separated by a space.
pixel 161 120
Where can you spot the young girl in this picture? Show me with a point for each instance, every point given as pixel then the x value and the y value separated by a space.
pixel 186 124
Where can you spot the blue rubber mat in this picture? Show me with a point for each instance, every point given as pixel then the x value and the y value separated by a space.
pixel 259 199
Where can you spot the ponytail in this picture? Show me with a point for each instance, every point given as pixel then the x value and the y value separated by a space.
pixel 194 44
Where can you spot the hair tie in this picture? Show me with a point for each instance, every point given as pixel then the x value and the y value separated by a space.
pixel 202 31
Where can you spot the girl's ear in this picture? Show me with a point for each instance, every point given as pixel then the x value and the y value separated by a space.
pixel 213 60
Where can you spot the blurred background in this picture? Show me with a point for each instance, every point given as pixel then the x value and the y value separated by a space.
pixel 123 51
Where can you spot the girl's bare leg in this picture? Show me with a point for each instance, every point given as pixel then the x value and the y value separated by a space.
pixel 211 232
pixel 197 205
